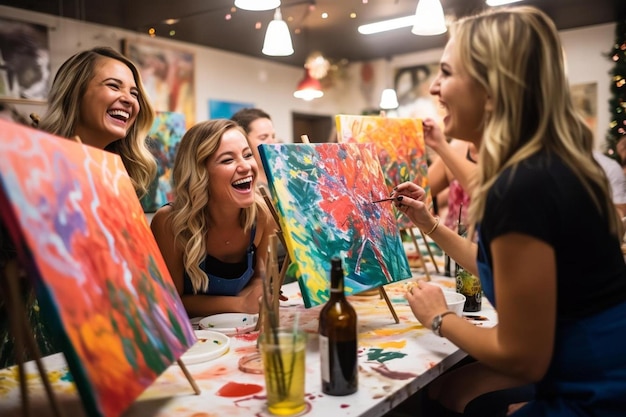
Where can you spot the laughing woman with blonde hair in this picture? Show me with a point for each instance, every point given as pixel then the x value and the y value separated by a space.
pixel 98 96
pixel 548 252
pixel 214 236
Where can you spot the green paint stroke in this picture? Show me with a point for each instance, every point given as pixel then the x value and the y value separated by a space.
pixel 378 355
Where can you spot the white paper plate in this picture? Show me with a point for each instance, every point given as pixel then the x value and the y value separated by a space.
pixel 210 345
pixel 229 323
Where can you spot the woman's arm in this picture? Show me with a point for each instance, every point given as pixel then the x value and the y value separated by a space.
pixel 453 155
pixel 521 345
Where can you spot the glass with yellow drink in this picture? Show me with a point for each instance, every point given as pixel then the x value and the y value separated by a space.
pixel 283 352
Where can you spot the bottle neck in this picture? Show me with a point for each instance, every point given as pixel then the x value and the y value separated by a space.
pixel 336 283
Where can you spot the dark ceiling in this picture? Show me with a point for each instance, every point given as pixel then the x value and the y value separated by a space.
pixel 203 22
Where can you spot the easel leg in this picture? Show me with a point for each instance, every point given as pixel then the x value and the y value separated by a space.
pixel 192 381
pixel 430 252
pixel 24 339
pixel 383 294
pixel 419 252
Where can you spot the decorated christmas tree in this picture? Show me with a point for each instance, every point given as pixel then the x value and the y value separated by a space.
pixel 617 100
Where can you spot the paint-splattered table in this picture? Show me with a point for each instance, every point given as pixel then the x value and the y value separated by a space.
pixel 395 361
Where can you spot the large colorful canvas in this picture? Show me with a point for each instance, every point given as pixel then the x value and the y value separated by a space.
pixel 401 149
pixel 323 195
pixel 167 130
pixel 85 243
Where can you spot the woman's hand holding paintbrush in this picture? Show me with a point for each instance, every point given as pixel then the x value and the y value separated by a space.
pixel 387 199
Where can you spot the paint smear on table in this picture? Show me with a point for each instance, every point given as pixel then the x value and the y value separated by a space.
pixel 235 389
pixel 384 371
pixel 379 355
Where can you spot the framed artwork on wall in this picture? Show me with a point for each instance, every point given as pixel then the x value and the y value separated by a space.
pixel 219 109
pixel 168 75
pixel 24 61
pixel 412 86
pixel 85 244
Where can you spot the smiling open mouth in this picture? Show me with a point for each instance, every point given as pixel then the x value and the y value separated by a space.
pixel 119 115
pixel 243 184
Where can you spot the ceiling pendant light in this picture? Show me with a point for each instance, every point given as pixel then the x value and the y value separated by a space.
pixel 309 88
pixel 429 18
pixel 500 2
pixel 389 99
pixel 277 38
pixel 257 5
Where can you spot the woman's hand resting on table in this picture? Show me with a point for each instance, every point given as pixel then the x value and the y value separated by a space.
pixel 409 199
pixel 426 301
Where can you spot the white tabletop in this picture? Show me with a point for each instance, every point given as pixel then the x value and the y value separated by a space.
pixel 395 361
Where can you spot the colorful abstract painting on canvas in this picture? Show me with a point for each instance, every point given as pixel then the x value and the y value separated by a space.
pixel 323 195
pixel 401 149
pixel 84 241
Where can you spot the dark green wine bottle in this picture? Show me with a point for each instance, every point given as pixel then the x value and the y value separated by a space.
pixel 338 338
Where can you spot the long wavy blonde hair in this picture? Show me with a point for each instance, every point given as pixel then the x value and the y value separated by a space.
pixel 515 54
pixel 190 214
pixel 64 99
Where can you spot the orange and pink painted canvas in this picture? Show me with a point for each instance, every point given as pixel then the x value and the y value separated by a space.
pixel 323 195
pixel 401 149
pixel 85 244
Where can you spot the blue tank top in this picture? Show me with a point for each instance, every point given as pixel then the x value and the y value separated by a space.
pixel 225 278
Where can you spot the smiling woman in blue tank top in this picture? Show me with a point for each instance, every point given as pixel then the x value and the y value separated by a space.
pixel 214 235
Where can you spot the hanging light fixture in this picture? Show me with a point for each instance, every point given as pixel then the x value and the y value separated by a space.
pixel 257 5
pixel 277 38
pixel 309 88
pixel 389 98
pixel 429 18
pixel 494 3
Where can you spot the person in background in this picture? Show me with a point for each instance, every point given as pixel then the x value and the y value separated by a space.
pixel 561 301
pixel 260 130
pixel 617 180
pixel 214 236
pixel 455 169
pixel 98 96
pixel 621 151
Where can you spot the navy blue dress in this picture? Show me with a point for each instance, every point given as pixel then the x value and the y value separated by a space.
pixel 225 278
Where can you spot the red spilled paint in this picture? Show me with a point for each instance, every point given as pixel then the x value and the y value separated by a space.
pixel 345 405
pixel 234 389
pixel 249 337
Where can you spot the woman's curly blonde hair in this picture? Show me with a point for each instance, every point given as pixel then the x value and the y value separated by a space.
pixel 190 216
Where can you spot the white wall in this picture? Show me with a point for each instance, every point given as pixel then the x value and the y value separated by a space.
pixel 233 77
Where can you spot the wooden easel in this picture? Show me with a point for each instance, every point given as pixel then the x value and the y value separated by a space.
pixel 25 341
pixel 409 230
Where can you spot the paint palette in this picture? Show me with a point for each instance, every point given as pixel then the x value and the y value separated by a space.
pixel 230 323
pixel 210 345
